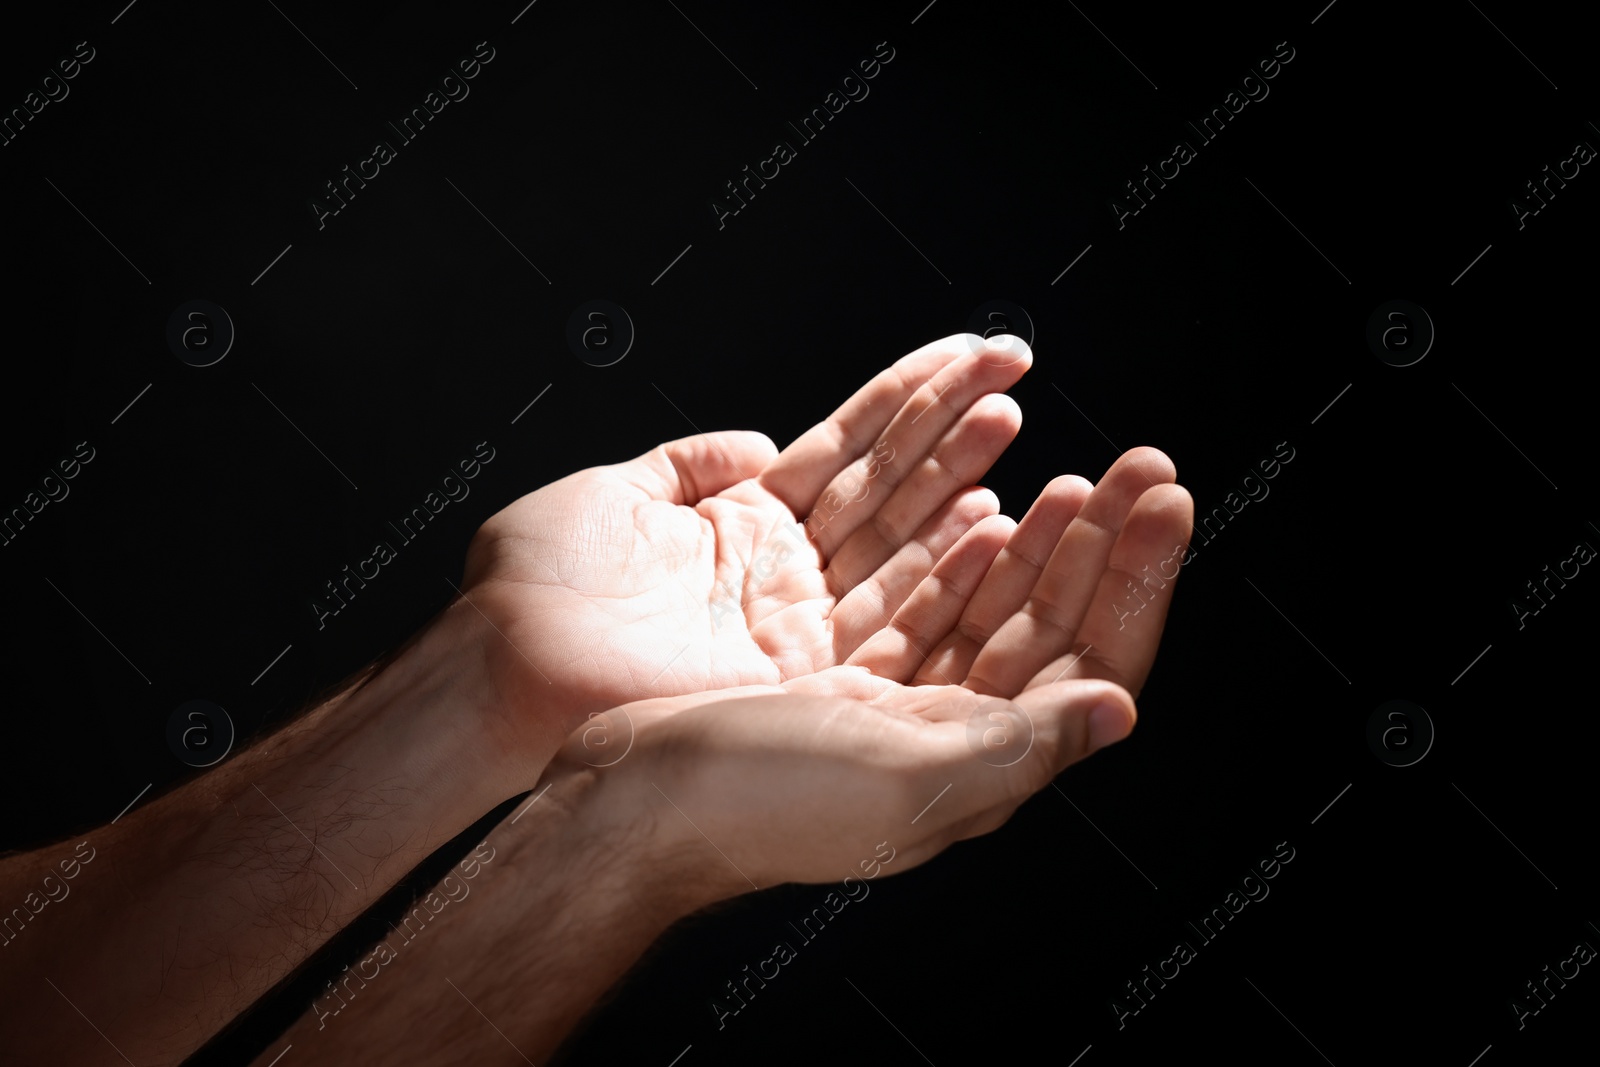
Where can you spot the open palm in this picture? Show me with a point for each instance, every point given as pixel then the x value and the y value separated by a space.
pixel 1020 653
pixel 686 569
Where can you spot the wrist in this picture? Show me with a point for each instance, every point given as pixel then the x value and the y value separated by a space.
pixel 433 711
pixel 522 713
pixel 662 863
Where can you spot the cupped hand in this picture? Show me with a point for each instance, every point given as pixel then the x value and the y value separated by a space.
pixel 1017 655
pixel 689 569
pixel 763 786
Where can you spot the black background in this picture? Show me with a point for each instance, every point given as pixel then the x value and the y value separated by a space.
pixel 1384 560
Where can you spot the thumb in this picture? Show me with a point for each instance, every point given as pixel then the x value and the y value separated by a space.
pixel 1074 719
pixel 1014 748
pixel 690 469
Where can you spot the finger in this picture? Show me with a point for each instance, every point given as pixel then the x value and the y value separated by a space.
pixel 1122 628
pixel 871 605
pixel 803 470
pixel 1071 720
pixel 1005 588
pixel 855 495
pixel 1047 624
pixel 690 469
pixel 933 607
pixel 995 753
pixel 958 460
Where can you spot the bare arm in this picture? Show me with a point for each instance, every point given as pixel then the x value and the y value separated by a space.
pixel 788 787
pixel 530 930
pixel 721 793
pixel 187 909
pixel 205 898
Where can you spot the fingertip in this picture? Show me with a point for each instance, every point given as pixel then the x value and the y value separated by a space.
pixel 998 526
pixel 985 538
pixel 1077 717
pixel 1111 720
pixel 1153 463
pixel 1002 350
pixel 1167 499
pixel 1065 483
pixel 980 436
pixel 999 408
pixel 1069 488
pixel 980 500
pixel 763 446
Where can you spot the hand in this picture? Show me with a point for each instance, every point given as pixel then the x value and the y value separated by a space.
pixel 686 569
pixel 799 781
pixel 716 794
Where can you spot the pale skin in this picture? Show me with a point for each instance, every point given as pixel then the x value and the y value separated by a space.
pixel 604 588
pixel 611 585
pixel 721 794
pixel 780 788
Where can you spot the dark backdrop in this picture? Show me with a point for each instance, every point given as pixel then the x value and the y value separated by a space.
pixel 1229 315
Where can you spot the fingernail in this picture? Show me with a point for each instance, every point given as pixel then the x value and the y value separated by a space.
pixel 1109 723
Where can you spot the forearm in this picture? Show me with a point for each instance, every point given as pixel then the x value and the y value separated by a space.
pixel 201 900
pixel 710 801
pixel 574 894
